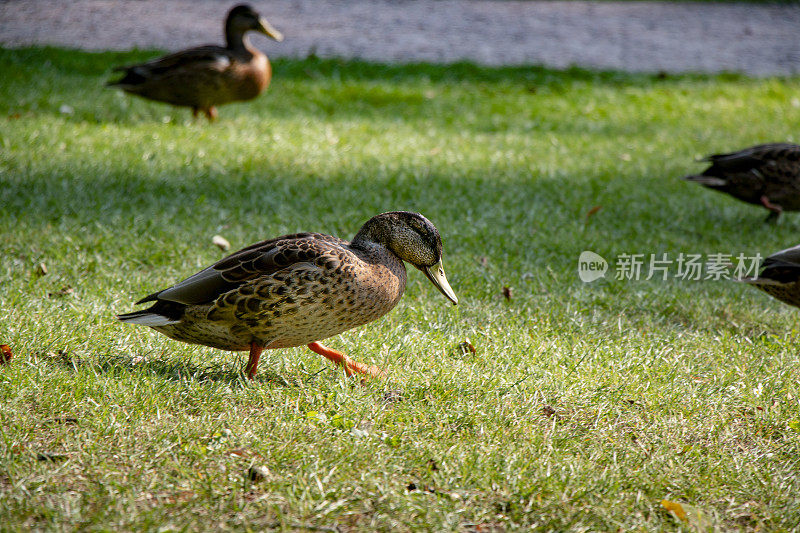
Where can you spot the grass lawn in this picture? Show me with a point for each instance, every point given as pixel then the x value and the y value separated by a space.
pixel 583 405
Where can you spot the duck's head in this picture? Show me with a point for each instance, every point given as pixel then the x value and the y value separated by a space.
pixel 244 18
pixel 412 238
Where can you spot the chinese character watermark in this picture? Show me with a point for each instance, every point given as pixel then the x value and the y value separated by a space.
pixel 684 266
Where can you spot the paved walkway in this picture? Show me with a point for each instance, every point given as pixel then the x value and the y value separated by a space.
pixel 638 36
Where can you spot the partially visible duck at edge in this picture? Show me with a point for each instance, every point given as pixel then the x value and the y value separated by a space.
pixel 765 174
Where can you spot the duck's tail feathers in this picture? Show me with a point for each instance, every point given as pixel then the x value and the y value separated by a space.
pixel 708 181
pixel 146 318
pixel 134 76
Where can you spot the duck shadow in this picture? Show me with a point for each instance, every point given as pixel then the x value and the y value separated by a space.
pixel 177 371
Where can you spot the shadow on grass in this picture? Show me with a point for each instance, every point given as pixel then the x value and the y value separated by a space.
pixel 125 193
pixel 42 79
pixel 176 371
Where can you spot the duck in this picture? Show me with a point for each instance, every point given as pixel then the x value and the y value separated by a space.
pixel 299 289
pixel 205 77
pixel 764 174
pixel 780 276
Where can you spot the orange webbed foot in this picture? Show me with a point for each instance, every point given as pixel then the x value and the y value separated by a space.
pixel 350 367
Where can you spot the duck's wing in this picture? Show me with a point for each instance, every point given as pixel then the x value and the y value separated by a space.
pixel 258 260
pixel 202 58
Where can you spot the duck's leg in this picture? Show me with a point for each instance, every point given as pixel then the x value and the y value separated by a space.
pixel 195 111
pixel 211 113
pixel 774 209
pixel 349 365
pixel 252 362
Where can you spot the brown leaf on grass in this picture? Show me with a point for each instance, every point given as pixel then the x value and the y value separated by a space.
pixel 6 355
pixel 593 211
pixel 507 292
pixel 467 347
pixel 41 269
pixel 221 242
pixel 675 509
pixel 548 411
pixel 63 291
pixel 696 518
pixel 240 452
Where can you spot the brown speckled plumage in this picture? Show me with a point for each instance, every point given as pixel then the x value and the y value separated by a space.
pixel 780 276
pixel 297 289
pixel 207 76
pixel 766 174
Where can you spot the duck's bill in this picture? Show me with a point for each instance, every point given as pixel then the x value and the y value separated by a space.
pixel 435 273
pixel 267 29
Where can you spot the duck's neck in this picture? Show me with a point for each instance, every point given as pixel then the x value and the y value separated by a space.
pixel 235 38
pixel 372 233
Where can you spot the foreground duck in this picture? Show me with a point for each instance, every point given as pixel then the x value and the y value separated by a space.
pixel 766 174
pixel 299 289
pixel 780 276
pixel 207 76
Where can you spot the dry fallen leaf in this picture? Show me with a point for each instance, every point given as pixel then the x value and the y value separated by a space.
pixel 593 211
pixel 41 269
pixel 466 347
pixel 221 242
pixel 676 509
pixel 240 452
pixel 697 519
pixel 6 355
pixel 548 411
pixel 507 292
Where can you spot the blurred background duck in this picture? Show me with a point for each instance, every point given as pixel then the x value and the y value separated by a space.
pixel 207 76
pixel 780 276
pixel 299 289
pixel 766 174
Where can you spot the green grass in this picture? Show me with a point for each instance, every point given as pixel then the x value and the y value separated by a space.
pixel 583 406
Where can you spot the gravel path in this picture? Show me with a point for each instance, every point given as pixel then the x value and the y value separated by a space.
pixel 638 36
